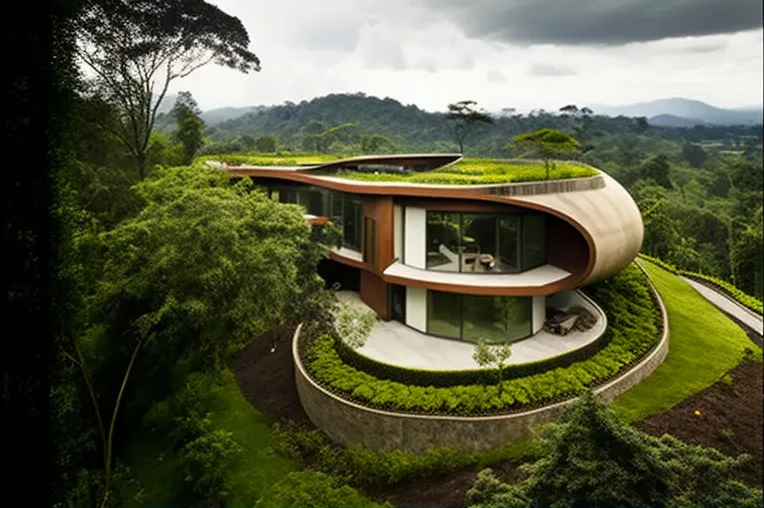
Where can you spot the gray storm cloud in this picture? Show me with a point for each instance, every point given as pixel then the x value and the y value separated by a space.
pixel 598 22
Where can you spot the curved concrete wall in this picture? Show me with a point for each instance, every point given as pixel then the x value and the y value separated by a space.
pixel 350 423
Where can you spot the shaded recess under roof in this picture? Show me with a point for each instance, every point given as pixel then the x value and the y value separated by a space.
pixel 388 163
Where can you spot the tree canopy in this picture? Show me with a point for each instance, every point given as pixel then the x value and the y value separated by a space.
pixel 465 117
pixel 136 48
pixel 594 459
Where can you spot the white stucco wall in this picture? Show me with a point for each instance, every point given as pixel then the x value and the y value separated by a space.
pixel 416 308
pixel 539 312
pixel 398 232
pixel 415 237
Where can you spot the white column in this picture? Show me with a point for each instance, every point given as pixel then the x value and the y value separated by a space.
pixel 416 308
pixel 415 237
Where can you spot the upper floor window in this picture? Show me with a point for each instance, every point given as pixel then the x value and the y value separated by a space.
pixel 484 243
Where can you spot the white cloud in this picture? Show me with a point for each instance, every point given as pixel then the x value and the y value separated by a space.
pixel 396 49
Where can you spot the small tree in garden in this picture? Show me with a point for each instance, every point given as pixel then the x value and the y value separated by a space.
pixel 492 356
pixel 547 144
pixel 353 324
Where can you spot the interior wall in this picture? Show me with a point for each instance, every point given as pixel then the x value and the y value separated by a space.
pixel 398 232
pixel 566 246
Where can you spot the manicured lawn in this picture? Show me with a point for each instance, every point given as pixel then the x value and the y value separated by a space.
pixel 704 344
pixel 256 470
pixel 260 159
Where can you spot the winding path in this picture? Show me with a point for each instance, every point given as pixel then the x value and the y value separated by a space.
pixel 728 305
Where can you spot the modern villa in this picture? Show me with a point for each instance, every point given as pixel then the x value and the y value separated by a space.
pixel 482 260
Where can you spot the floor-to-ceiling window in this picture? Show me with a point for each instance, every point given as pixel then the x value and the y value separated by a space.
pixel 484 243
pixel 352 222
pixel 474 317
pixel 442 238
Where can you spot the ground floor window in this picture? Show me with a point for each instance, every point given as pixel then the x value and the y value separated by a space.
pixel 474 317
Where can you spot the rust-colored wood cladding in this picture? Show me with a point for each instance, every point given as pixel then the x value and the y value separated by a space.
pixel 374 293
pixel 565 246
pixel 380 208
pixel 614 247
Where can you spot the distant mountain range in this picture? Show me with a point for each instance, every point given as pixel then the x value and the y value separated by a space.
pixel 679 112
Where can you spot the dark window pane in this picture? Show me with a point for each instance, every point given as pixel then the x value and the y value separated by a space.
pixel 534 241
pixel 496 318
pixel 351 228
pixel 443 314
pixel 442 241
pixel 509 244
pixel 313 202
pixel 479 240
pixel 335 212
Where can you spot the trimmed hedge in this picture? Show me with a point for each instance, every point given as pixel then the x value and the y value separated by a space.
pixel 723 286
pixel 441 378
pixel 634 328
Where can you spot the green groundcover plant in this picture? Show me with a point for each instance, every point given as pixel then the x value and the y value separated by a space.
pixel 634 328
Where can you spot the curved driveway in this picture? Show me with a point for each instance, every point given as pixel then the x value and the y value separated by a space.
pixel 728 305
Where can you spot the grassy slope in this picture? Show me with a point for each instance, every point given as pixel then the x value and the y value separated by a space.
pixel 256 470
pixel 704 344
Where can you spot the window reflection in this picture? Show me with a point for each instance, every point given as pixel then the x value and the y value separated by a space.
pixel 484 243
pixel 442 239
pixel 472 317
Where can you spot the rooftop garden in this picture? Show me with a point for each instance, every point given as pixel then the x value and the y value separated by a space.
pixel 479 172
pixel 464 172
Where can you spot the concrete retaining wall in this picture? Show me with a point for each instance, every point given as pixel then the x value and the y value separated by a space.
pixel 350 423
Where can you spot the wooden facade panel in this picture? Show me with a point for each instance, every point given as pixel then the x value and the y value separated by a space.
pixel 374 293
pixel 380 209
pixel 566 247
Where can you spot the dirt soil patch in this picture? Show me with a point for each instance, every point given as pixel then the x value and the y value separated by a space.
pixel 731 419
pixel 265 374
pixel 447 491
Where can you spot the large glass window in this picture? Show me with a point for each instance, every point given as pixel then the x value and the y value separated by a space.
pixel 472 317
pixel 534 241
pixel 484 243
pixel 444 314
pixel 442 238
pixel 351 218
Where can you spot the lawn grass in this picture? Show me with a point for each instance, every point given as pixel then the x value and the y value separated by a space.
pixel 258 468
pixel 278 159
pixel 704 344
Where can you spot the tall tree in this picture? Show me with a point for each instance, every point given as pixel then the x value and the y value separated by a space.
pixel 465 117
pixel 547 144
pixel 136 48
pixel 190 127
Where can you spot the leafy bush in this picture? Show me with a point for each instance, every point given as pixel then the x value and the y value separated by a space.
pixel 634 322
pixel 363 467
pixel 592 458
pixel 207 462
pixel 309 489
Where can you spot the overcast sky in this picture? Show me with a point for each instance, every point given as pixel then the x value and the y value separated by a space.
pixel 502 53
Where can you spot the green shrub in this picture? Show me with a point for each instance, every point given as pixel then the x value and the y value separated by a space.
pixel 362 467
pixel 727 379
pixel 310 489
pixel 633 329
pixel 666 266
pixel 207 462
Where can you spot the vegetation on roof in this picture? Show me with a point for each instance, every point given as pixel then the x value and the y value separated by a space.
pixel 480 171
pixel 278 159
